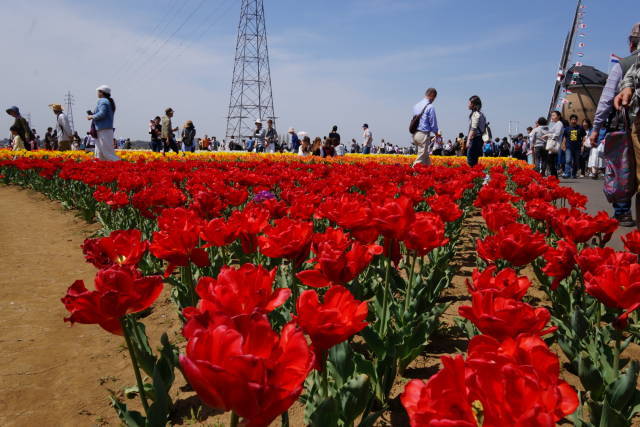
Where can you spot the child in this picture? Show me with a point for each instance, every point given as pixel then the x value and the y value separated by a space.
pixel 17 142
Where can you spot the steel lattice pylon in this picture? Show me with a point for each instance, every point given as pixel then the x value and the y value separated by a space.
pixel 251 96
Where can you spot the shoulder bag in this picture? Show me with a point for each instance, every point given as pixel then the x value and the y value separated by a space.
pixel 415 121
pixel 620 165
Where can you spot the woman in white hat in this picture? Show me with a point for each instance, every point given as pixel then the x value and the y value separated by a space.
pixel 102 119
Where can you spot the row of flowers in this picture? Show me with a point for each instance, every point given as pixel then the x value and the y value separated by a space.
pixel 322 282
pixel 510 375
pixel 274 267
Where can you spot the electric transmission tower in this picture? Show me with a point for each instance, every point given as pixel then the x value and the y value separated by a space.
pixel 69 101
pixel 251 96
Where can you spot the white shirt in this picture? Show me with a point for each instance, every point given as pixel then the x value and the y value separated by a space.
pixel 341 150
pixel 63 128
pixel 302 153
pixel 368 138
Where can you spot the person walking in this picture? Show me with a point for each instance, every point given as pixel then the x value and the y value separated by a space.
pixel 22 126
pixel 573 136
pixel 539 142
pixel 155 130
pixel 602 120
pixel 427 125
pixel 167 133
pixel 294 142
pixel 48 139
pixel 596 161
pixel 334 136
pixel 271 137
pixel 188 137
pixel 103 118
pixel 16 140
pixel 65 135
pixel 259 136
pixel 554 138
pixel 367 139
pixel 477 127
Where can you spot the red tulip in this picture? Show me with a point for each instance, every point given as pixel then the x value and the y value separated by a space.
pixel 289 239
pixel 502 318
pixel 498 215
pixel 616 286
pixel 444 207
pixel 352 212
pixel 338 259
pixel 560 262
pixel 120 290
pixel 124 247
pixel 632 242
pixel 426 233
pixel 247 224
pixel 539 209
pixel 573 225
pixel 243 290
pixel 331 322
pixel 441 401
pixel 590 259
pixel 244 366
pixel 506 283
pixel 515 243
pixel 394 218
pixel 517 382
pixel 217 233
pixel 177 240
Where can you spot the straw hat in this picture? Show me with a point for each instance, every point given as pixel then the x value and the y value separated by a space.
pixel 56 107
pixel 291 130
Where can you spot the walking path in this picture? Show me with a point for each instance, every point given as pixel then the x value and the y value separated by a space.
pixel 50 373
pixel 597 202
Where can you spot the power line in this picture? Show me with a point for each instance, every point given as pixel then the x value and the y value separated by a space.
pixel 155 53
pixel 153 37
pixel 205 30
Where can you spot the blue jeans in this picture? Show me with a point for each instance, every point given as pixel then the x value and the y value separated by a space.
pixel 560 160
pixel 622 208
pixel 367 150
pixel 474 151
pixel 572 158
pixel 156 146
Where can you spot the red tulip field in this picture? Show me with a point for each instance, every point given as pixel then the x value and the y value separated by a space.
pixel 353 293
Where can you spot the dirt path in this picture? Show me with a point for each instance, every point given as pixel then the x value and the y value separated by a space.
pixel 50 373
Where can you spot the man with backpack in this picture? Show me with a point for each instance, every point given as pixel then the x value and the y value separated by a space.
pixel 423 124
pixel 22 126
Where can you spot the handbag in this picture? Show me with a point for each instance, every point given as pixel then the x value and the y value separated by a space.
pixel 415 121
pixel 553 145
pixel 93 131
pixel 620 164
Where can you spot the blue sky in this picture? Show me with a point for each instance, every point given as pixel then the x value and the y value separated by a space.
pixel 333 62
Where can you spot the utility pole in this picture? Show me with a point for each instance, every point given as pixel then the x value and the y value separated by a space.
pixel 251 96
pixel 69 101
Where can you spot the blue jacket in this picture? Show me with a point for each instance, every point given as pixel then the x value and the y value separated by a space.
pixel 103 115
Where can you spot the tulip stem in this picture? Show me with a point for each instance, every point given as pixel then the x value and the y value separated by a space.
pixel 325 380
pixel 385 300
pixel 294 286
pixel 234 420
pixel 616 353
pixel 188 281
pixel 407 295
pixel 134 362
pixel 285 418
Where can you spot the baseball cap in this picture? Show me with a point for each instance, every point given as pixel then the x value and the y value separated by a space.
pixel 104 88
pixel 13 109
pixel 365 125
